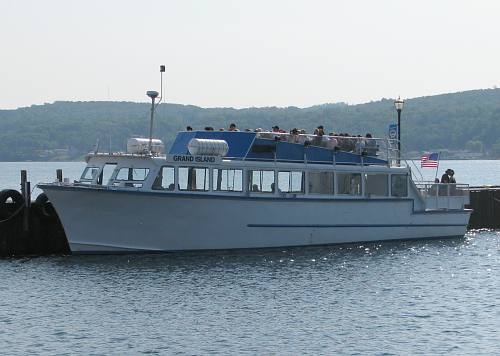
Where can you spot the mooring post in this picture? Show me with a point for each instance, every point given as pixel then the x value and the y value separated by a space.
pixel 24 177
pixel 26 193
pixel 59 175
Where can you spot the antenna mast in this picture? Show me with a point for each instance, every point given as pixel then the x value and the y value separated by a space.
pixel 153 95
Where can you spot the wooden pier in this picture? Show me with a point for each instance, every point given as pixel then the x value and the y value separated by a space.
pixel 33 228
pixel 485 201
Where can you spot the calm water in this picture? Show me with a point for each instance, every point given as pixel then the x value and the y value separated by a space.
pixel 423 297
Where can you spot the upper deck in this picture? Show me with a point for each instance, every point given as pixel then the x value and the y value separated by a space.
pixel 267 164
pixel 271 146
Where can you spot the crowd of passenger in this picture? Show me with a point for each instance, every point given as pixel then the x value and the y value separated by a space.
pixel 336 141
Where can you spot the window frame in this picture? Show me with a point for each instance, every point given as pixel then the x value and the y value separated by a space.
pixel 118 170
pixel 235 176
pixel 251 182
pixel 350 186
pixel 129 183
pixel 100 176
pixel 366 175
pixel 161 187
pixel 333 179
pixel 407 190
pixel 290 181
pixel 207 185
pixel 93 176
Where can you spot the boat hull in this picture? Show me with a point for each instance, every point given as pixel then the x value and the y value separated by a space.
pixel 114 221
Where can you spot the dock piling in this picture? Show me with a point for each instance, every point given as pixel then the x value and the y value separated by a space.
pixel 24 178
pixel 59 175
pixel 26 193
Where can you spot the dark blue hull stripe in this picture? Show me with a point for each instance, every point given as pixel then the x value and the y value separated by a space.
pixel 350 225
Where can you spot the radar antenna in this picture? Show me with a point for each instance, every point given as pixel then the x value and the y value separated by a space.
pixel 154 95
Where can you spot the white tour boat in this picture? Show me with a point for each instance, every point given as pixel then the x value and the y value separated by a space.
pixel 234 190
pixel 227 190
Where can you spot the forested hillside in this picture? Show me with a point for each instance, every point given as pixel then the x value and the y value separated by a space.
pixel 67 130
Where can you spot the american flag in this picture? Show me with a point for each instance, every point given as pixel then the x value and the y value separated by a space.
pixel 429 160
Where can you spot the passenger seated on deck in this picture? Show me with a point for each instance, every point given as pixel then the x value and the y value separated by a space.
pixel 451 176
pixel 331 141
pixel 302 136
pixel 276 130
pixel 350 142
pixel 341 142
pixel 294 136
pixel 318 139
pixel 370 145
pixel 445 178
pixel 255 188
pixel 359 145
pixel 443 189
pixel 171 187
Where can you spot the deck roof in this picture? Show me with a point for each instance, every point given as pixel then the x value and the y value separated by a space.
pixel 247 146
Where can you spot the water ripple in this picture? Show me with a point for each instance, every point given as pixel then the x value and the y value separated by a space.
pixel 423 297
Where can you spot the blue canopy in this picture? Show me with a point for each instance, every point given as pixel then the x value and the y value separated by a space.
pixel 245 145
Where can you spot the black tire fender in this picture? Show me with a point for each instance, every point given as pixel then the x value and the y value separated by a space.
pixel 14 195
pixel 8 210
pixel 46 208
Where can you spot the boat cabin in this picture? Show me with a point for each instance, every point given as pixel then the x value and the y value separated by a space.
pixel 270 165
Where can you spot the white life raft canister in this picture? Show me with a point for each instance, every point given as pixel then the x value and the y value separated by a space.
pixel 208 147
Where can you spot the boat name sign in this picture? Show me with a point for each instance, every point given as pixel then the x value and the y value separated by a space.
pixel 193 159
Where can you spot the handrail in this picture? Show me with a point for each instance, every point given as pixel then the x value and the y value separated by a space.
pixel 385 149
pixel 418 170
pixel 444 195
pixel 428 188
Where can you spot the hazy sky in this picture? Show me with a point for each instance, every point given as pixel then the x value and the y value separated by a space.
pixel 246 53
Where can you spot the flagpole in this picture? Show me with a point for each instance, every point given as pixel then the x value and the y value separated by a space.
pixel 437 167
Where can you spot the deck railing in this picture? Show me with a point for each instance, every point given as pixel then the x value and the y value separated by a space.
pixel 382 148
pixel 444 195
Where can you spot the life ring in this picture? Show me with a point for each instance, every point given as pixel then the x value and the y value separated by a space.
pixel 46 208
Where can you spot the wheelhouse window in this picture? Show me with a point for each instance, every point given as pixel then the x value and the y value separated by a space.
pixel 291 182
pixel 106 173
pixel 137 174
pixel 89 174
pixel 399 185
pixel 377 184
pixel 165 180
pixel 349 183
pixel 321 182
pixel 261 181
pixel 131 177
pixel 230 180
pixel 194 178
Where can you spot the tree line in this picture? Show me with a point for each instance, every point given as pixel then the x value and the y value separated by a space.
pixel 467 120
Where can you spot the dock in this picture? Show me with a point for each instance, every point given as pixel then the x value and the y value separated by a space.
pixel 485 200
pixel 30 227
pixel 33 228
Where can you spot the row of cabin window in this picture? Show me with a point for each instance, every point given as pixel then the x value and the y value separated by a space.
pixel 132 177
pixel 263 181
